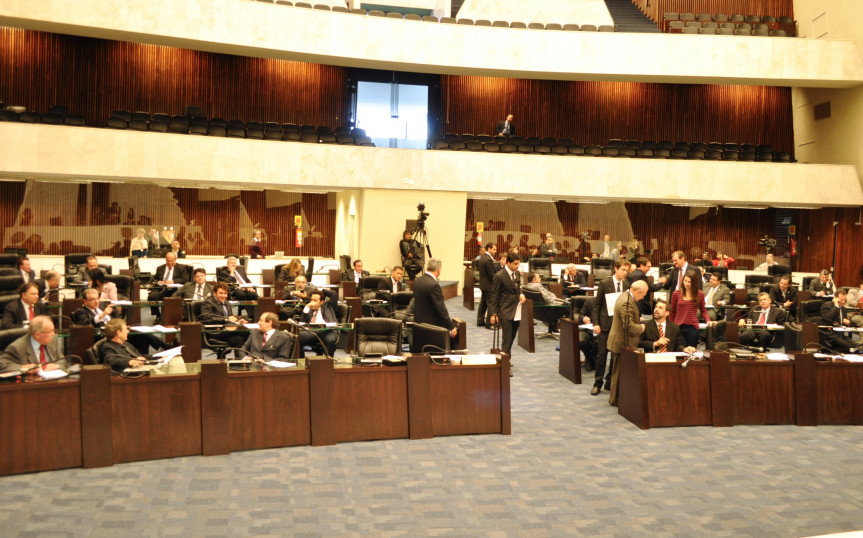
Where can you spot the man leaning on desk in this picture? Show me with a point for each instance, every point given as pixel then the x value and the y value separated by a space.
pixel 36 350
pixel 116 351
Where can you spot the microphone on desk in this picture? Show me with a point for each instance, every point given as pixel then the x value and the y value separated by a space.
pixel 255 358
pixel 689 357
pixel 756 349
pixel 315 333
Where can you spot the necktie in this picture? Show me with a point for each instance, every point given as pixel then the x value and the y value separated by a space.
pixel 169 273
pixel 395 286
pixel 618 287
pixel 515 278
pixel 199 292
pixel 31 313
pixel 265 340
pixel 762 319
pixel 238 278
pixel 662 348
pixel 709 299
pixel 225 309
pixel 42 359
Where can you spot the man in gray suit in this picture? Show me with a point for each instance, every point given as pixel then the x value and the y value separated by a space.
pixel 717 295
pixel 505 302
pixel 267 342
pixel 37 350
pixel 625 330
pixel 197 289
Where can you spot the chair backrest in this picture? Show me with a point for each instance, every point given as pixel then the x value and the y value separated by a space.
pixel 74 261
pixel 193 310
pixel 124 285
pixel 10 335
pixel 9 284
pixel 430 338
pixel 378 335
pixel 399 302
pixel 601 268
pixel 811 310
pixel 777 271
pixel 9 260
pixel 93 354
pixel 369 286
pixel 541 266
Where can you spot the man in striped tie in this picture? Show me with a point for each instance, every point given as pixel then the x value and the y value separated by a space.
pixel 661 334
pixel 36 350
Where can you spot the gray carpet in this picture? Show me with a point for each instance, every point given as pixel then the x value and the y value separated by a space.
pixel 572 466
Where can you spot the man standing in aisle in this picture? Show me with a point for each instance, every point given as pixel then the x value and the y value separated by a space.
pixel 486 276
pixel 625 330
pixel 505 303
pixel 602 319
pixel 429 304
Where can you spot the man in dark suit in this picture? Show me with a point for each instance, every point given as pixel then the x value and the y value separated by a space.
pixel 167 274
pixel 83 274
pixel 197 289
pixel 602 319
pixel 37 348
pixel 267 342
pixel 117 352
pixel 834 313
pixel 570 279
pixel 317 312
pixel 505 127
pixel 823 285
pixel 547 248
pixel 393 284
pixel 175 248
pixel 217 309
pixel 486 268
pixel 642 266
pixel 27 272
pixel 625 330
pixel 660 334
pixel 763 315
pixel 356 273
pixel 782 294
pixel 50 283
pixel 429 306
pixel 91 314
pixel 18 313
pixel 680 267
pixel 235 275
pixel 505 302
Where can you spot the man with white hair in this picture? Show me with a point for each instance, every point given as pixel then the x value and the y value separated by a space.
pixel 626 329
pixel 36 350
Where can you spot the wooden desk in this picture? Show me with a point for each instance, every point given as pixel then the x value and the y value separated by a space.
pixel 762 392
pixel 525 337
pixel 664 394
pixel 569 358
pixel 467 291
pixel 828 392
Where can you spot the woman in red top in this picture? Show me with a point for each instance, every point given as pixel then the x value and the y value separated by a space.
pixel 685 305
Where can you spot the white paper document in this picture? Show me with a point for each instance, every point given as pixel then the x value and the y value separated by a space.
pixel 52 374
pixel 168 354
pixel 610 299
pixel 281 364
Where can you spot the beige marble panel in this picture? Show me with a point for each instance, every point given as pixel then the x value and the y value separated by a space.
pixel 352 40
pixel 544 11
pixel 35 150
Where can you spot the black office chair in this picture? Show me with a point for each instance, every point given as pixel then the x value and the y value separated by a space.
pixel 93 354
pixel 546 315
pixel 377 335
pixel 369 287
pixel 430 339
pixel 721 269
pixel 601 268
pixel 542 267
pixel 219 347
pixel 9 285
pixel 142 277
pixel 10 335
pixel 399 302
pixel 808 280
pixel 73 262
pixel 124 286
pixel 755 284
pixel 810 311
pixel 9 260
pixel 776 271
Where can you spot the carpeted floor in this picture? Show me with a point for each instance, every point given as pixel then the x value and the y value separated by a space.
pixel 572 466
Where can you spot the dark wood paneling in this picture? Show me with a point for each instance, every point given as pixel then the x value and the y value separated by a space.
pixel 456 389
pixel 655 9
pixel 96 76
pixel 849 237
pixel 763 392
pixel 269 409
pixel 595 112
pixel 370 403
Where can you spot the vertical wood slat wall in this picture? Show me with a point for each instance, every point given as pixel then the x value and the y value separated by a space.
pixel 672 228
pixel 94 77
pixel 221 231
pixel 655 9
pixel 595 112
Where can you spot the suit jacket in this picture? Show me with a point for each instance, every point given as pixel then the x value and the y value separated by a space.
pixel 774 315
pixel 651 335
pixel 385 288
pixel 546 251
pixel 180 253
pixel 635 276
pixel 117 356
pixel 586 310
pixel 505 295
pixel 816 285
pixel 278 347
pixel 31 276
pixel 331 315
pixel 188 290
pixel 486 272
pixel 570 280
pixel 625 326
pixel 180 276
pixel 351 275
pixel 224 275
pixel 20 352
pixel 722 293
pixel 211 311
pixel 85 316
pixel 43 287
pixel 429 306
pixel 600 312
pixel 777 297
pixel 14 314
pixel 832 314
pixel 501 126
pixel 308 289
pixel 671 283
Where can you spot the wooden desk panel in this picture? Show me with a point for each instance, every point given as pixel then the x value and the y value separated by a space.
pixel 466 399
pixel 467 291
pixel 156 417
pixel 526 339
pixel 30 444
pixel 679 396
pixel 569 358
pixel 763 392
pixel 269 409
pixel 369 403
pixel 839 392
